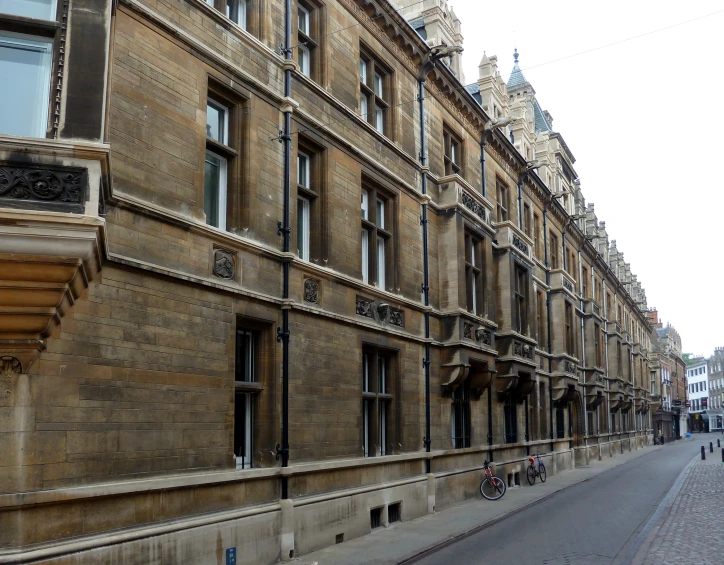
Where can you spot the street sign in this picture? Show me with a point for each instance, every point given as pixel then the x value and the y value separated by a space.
pixel 688 404
pixel 678 403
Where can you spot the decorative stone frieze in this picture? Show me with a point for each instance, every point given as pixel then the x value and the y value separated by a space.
pixel 62 189
pixel 474 206
pixel 518 243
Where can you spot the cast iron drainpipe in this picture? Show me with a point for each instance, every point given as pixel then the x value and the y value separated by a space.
pixel 548 318
pixel 583 348
pixel 483 140
pixel 425 262
pixel 285 229
pixel 565 268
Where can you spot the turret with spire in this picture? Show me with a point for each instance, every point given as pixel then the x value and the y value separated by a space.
pixel 437 24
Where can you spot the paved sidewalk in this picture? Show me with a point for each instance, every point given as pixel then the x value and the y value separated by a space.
pixel 404 541
pixel 690 528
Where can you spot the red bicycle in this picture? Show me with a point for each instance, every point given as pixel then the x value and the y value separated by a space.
pixel 492 487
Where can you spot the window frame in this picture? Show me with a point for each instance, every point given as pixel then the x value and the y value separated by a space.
pixel 224 149
pixel 540 316
pixel 453 156
pixel 536 234
pixel 598 357
pixel 33 31
pixel 243 9
pixel 502 195
pixel 553 250
pixel 312 188
pixel 245 388
pixel 519 321
pixel 251 23
pixel 569 328
pixel 221 190
pixel 560 422
pixel 378 104
pixel 379 377
pixel 475 265
pixel 510 419
pixel 460 413
pixel 381 274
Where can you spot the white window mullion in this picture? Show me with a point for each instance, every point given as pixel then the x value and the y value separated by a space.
pixel 304 60
pixel 380 120
pixel 215 190
pixel 381 263
pixel 303 19
pixel 24 104
pixel 365 256
pixel 382 410
pixel 303 228
pixel 365 428
pixel 365 205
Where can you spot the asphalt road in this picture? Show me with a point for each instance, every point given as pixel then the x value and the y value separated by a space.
pixel 596 522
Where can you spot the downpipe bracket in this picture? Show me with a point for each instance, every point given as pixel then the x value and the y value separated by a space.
pixel 282 335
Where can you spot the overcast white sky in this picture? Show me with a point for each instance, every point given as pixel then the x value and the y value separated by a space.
pixel 644 120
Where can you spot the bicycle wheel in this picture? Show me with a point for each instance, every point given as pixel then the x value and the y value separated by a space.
pixel 542 473
pixel 492 488
pixel 531 475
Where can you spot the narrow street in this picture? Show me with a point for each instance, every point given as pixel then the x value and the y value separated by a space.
pixel 601 521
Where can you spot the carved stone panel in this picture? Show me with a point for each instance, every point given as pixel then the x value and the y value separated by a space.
pixel 468 331
pixel 397 317
pixel 224 264
pixel 9 366
pixel 522 350
pixel 311 291
pixel 483 336
pixel 364 307
pixel 518 243
pixel 474 206
pixel 35 187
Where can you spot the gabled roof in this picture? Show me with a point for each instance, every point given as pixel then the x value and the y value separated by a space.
pixel 516 76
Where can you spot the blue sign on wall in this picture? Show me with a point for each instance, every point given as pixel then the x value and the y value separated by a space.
pixel 231 556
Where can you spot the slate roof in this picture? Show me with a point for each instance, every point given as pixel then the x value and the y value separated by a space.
pixel 516 76
pixel 541 123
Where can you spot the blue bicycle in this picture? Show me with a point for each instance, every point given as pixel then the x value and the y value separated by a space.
pixel 536 469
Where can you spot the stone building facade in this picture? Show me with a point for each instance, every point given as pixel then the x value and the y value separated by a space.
pixel 669 382
pixel 188 198
pixel 697 372
pixel 716 389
